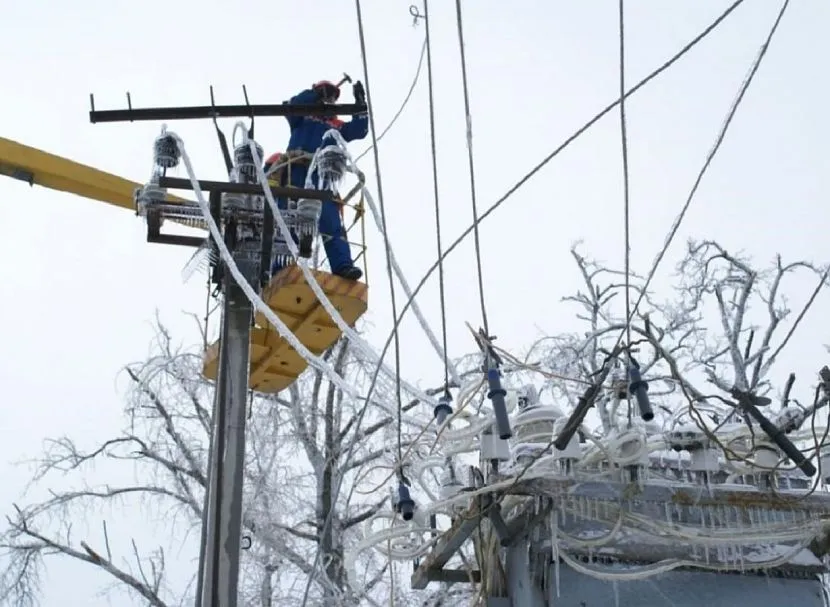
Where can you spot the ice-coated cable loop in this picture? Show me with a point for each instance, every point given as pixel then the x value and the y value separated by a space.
pixel 344 327
pixel 283 330
pixel 373 208
pixel 726 547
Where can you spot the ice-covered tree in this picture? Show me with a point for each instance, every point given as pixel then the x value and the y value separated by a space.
pixel 724 325
pixel 300 443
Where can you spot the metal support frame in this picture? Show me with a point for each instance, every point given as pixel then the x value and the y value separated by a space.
pixel 514 532
pixel 222 111
pixel 155 236
pixel 432 569
pixel 177 183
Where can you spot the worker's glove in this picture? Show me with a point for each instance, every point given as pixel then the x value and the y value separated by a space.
pixel 359 93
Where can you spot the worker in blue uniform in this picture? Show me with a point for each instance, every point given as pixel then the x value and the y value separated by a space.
pixel 307 136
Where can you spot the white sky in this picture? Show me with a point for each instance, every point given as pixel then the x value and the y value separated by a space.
pixel 81 284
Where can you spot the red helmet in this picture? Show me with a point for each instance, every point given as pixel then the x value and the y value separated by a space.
pixel 273 159
pixel 328 89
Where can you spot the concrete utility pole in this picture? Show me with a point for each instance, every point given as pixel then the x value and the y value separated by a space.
pixel 221 531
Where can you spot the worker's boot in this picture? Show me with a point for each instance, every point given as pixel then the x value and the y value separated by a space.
pixel 349 272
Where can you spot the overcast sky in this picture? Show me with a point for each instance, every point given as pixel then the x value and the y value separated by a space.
pixel 81 285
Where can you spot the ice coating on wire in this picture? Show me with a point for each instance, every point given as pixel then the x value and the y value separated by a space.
pixel 318 291
pixel 767 538
pixel 341 143
pixel 283 330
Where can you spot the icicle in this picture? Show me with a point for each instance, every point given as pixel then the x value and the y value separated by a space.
pixel 554 546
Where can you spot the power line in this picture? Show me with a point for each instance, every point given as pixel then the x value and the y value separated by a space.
pixel 339 484
pixel 364 59
pixel 469 120
pixel 403 104
pixel 626 200
pixel 578 133
pixel 710 156
pixel 435 196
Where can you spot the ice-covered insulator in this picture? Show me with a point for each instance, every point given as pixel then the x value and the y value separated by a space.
pixel 309 209
pixel 790 418
pixel 686 436
pixel 528 397
pixel 639 389
pixel 524 453
pixel 496 396
pixel 148 195
pixel 243 161
pixel 281 260
pixel 308 215
pixel 442 410
pixel 233 201
pixel 191 222
pixel 405 505
pixel 331 167
pixel 166 153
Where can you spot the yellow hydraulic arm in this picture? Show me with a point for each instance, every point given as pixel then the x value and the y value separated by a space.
pixel 37 167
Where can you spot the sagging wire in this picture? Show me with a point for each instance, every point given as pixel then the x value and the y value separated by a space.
pixel 364 60
pixel 470 160
pixel 314 285
pixel 538 167
pixel 434 154
pixel 626 200
pixel 710 156
pixel 392 297
pixel 823 281
pixel 258 304
pixel 403 104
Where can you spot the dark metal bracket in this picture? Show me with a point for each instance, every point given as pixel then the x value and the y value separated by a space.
pixel 431 568
pixel 177 183
pixel 154 234
pixel 245 110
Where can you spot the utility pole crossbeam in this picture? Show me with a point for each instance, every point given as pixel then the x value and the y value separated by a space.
pixel 253 189
pixel 222 111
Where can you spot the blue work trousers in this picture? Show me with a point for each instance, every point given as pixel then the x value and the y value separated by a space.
pixel 330 224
